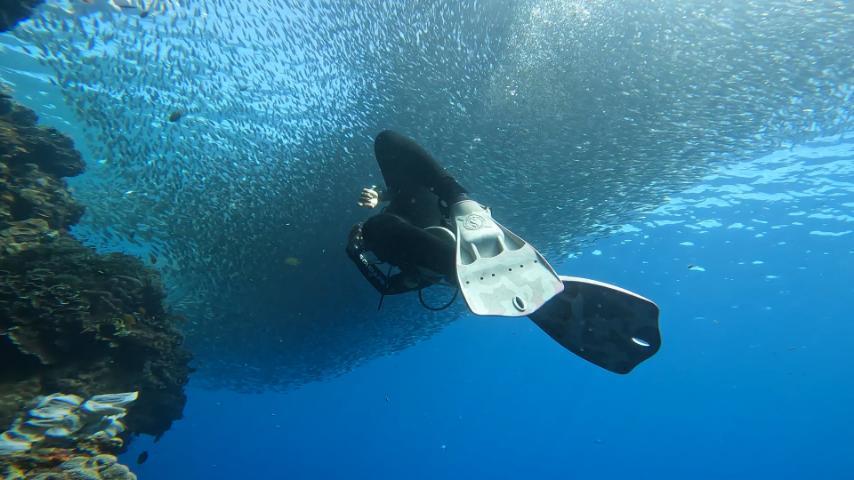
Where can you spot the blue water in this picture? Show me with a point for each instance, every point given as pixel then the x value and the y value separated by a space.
pixel 752 269
pixel 698 153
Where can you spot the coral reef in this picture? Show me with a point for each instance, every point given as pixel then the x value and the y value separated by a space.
pixel 84 323
pixel 72 320
pixel 64 437
pixel 35 204
pixel 13 11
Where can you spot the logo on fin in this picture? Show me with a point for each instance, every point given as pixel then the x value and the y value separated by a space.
pixel 473 222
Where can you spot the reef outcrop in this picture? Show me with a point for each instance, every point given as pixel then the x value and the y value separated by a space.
pixel 35 204
pixel 13 11
pixel 73 320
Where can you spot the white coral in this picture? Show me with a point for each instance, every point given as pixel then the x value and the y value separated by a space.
pixel 118 399
pixel 63 417
pixel 9 444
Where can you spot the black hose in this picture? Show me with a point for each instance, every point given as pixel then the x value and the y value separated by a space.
pixel 436 309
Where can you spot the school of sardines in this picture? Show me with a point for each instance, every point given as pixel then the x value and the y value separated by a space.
pixel 227 140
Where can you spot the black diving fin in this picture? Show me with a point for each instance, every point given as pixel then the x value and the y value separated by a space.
pixel 604 324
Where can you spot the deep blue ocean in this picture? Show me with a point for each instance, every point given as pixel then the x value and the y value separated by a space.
pixel 754 282
pixel 700 154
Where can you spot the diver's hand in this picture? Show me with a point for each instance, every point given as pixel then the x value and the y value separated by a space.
pixel 369 198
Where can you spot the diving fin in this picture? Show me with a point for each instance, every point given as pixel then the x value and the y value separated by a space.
pixel 498 272
pixel 603 324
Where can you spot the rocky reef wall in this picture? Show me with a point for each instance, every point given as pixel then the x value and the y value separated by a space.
pixel 73 320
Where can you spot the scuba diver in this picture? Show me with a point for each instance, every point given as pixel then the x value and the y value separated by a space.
pixel 433 233
pixel 409 233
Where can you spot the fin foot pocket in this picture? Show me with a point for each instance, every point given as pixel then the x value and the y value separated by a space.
pixel 497 271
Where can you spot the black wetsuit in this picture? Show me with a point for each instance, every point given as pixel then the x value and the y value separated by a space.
pixel 416 187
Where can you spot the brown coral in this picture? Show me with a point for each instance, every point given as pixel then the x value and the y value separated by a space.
pixel 72 319
pixel 22 141
pixel 35 204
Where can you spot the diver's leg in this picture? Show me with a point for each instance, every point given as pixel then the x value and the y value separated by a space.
pixel 404 164
pixel 397 241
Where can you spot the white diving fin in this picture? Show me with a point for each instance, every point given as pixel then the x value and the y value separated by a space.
pixel 498 272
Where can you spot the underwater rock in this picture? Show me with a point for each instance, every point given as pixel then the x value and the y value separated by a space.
pixel 65 464
pixel 13 11
pixel 35 205
pixel 72 320
pixel 22 141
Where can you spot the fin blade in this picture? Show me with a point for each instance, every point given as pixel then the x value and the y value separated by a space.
pixel 606 325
